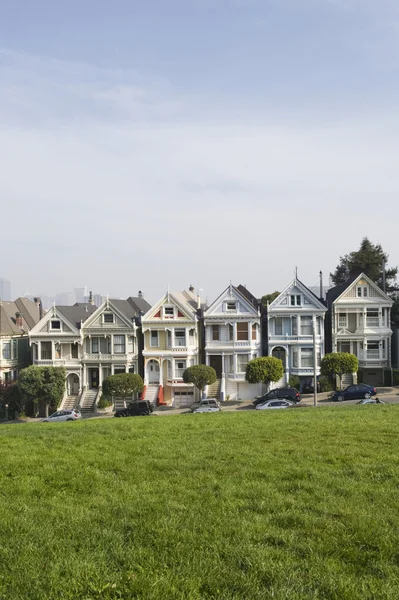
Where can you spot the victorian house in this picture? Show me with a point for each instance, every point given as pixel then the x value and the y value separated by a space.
pixel 232 339
pixel 295 318
pixel 16 320
pixel 172 343
pixel 91 343
pixel 359 322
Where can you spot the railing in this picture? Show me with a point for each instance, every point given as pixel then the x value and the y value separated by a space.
pixel 102 357
pixel 372 322
pixel 372 354
pixel 291 338
pixel 236 375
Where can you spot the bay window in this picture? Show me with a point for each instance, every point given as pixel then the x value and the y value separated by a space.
pixel 242 361
pixel 119 344
pixel 242 331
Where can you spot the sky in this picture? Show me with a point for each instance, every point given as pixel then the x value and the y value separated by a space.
pixel 168 143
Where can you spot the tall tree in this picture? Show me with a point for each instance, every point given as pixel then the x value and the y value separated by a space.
pixel 369 260
pixel 123 385
pixel 264 369
pixel 200 376
pixel 268 298
pixel 46 384
pixel 339 363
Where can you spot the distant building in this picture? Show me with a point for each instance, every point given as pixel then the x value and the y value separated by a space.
pixel 5 289
pixel 64 299
pixel 16 320
pixel 81 295
pixel 98 299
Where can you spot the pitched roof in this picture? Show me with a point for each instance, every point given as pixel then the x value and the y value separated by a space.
pixel 78 312
pixel 139 304
pixel 334 292
pixel 247 294
pixel 28 310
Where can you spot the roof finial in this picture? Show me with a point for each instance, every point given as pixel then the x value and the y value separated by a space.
pixel 296 273
pixel 167 293
pixel 231 289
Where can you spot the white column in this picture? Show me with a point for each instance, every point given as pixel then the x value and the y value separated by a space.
pixel 172 337
pixel 223 382
pixel 100 375
pixel 234 331
pixel 207 359
pixel 298 325
pixel 52 350
pixel 188 336
pixel 173 368
pixel 235 363
pixel 112 343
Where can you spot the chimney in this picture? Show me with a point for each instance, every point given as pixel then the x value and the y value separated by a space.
pixel 18 320
pixel 191 288
pixel 321 286
pixel 140 294
pixel 40 305
pixel 91 298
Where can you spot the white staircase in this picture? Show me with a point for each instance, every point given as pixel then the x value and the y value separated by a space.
pixel 347 379
pixel 69 402
pixel 151 393
pixel 214 389
pixel 88 401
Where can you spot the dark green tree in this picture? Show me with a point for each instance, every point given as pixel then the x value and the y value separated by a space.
pixel 200 376
pixel 264 370
pixel 339 363
pixel 369 260
pixel 46 384
pixel 123 385
pixel 268 298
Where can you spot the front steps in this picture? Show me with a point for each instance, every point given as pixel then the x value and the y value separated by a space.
pixel 214 389
pixel 87 404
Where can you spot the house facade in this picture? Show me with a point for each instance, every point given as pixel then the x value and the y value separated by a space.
pixel 16 320
pixel 293 318
pixel 359 316
pixel 171 335
pixel 91 343
pixel 232 339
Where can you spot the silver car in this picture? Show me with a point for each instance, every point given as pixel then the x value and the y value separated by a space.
pixel 63 415
pixel 208 405
pixel 274 404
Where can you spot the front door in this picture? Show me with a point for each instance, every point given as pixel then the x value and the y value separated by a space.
pixel 216 363
pixel 153 371
pixel 94 378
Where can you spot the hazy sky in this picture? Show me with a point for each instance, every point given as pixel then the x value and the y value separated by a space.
pixel 147 143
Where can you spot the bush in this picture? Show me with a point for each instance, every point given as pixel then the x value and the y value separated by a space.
pixel 326 384
pixel 103 402
pixel 293 381
pixel 265 369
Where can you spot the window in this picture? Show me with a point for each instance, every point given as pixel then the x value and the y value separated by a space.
pixel 94 345
pixel 108 317
pixel 278 326
pixel 215 332
pixel 231 306
pixel 306 326
pixel 180 367
pixel 154 339
pixel 362 291
pixel 295 300
pixel 118 370
pixel 74 351
pixel 242 361
pixel 131 369
pixel 7 350
pixel 119 344
pixel 342 320
pixel 242 331
pixel 254 331
pixel 14 349
pixel 55 325
pixel 372 317
pixel 180 337
pixel 57 350
pixel 231 332
pixel 295 358
pixel 168 312
pixel 168 338
pixel 307 357
pixel 46 351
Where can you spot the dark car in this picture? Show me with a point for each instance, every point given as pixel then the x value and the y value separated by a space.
pixel 354 392
pixel 286 393
pixel 136 409
pixel 308 386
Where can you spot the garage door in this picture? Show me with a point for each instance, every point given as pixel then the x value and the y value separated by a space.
pixel 183 398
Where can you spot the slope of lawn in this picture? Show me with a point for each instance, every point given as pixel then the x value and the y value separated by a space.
pixel 273 504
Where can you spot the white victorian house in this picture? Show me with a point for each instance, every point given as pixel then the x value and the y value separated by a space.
pixel 91 343
pixel 232 339
pixel 359 317
pixel 293 317
pixel 171 344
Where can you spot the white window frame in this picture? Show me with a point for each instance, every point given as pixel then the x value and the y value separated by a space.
pixel 152 339
pixel 111 315
pixel 297 300
pixel 122 345
pixel 239 363
pixel 342 320
pixel 229 306
pixel 166 316
pixel 307 354
pixel 55 328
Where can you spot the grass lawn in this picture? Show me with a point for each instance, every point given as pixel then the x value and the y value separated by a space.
pixel 254 505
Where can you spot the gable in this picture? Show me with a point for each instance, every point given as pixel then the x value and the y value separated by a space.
pixel 107 316
pixel 363 289
pixel 231 302
pixel 54 322
pixel 296 296
pixel 169 309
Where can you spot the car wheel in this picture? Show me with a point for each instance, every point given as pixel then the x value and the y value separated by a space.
pixel 340 398
pixel 367 395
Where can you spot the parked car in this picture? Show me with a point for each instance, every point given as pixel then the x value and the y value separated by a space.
pixel 141 408
pixel 354 392
pixel 371 401
pixel 286 393
pixel 308 386
pixel 275 404
pixel 206 402
pixel 208 405
pixel 63 415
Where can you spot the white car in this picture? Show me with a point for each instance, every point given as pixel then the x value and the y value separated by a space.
pixel 209 405
pixel 63 415
pixel 205 402
pixel 274 404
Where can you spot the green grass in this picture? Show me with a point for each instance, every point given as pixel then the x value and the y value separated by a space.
pixel 285 505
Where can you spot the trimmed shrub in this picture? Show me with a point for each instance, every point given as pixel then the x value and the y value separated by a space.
pixel 293 381
pixel 103 402
pixel 326 384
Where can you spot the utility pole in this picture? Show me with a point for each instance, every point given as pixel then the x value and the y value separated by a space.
pixel 314 364
pixel 383 275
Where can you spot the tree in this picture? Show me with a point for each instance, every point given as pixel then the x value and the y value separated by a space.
pixel 369 260
pixel 123 385
pixel 46 384
pixel 339 363
pixel 268 298
pixel 264 370
pixel 200 376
